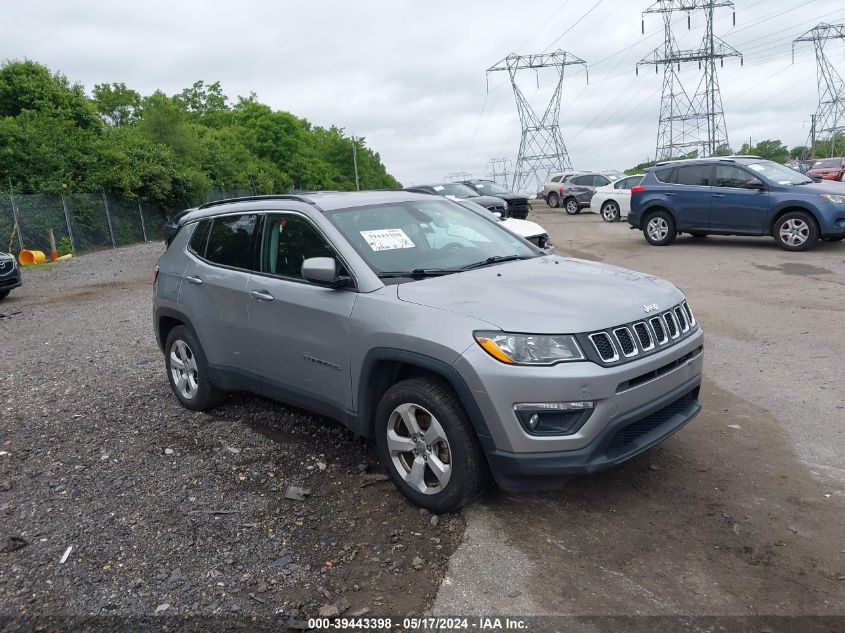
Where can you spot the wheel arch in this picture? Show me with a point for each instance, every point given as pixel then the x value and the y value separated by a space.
pixel 167 319
pixel 654 208
pixel 384 367
pixel 789 208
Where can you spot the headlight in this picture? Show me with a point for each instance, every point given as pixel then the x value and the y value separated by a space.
pixel 832 197
pixel 529 349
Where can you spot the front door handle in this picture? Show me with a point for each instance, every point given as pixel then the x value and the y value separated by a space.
pixel 718 195
pixel 193 279
pixel 669 193
pixel 261 295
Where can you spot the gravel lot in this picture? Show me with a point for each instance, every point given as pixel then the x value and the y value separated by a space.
pixel 164 510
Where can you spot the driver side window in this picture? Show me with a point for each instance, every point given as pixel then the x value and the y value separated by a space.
pixel 730 176
pixel 288 241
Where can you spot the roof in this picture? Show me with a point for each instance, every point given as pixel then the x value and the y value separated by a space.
pixel 733 158
pixel 320 200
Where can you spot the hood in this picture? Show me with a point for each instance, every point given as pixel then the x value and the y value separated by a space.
pixel 815 188
pixel 512 197
pixel 523 228
pixel 487 201
pixel 6 255
pixel 545 295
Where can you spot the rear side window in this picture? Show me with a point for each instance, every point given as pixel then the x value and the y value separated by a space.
pixel 627 183
pixel 288 241
pixel 600 181
pixel 581 180
pixel 198 239
pixel 556 179
pixel 667 174
pixel 694 175
pixel 231 241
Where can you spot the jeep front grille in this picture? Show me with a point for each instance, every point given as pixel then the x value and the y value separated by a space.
pixel 632 340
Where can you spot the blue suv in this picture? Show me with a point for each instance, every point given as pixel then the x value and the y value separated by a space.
pixel 736 195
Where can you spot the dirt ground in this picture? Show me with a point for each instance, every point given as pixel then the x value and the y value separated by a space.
pixel 739 514
pixel 172 511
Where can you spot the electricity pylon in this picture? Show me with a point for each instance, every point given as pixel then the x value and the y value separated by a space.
pixel 500 169
pixel 690 123
pixel 457 176
pixel 541 149
pixel 829 120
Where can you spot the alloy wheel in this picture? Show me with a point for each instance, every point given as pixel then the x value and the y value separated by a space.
pixel 657 229
pixel 609 212
pixel 419 449
pixel 794 232
pixel 572 207
pixel 183 369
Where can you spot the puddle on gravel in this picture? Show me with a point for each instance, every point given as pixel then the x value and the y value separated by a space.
pixel 794 268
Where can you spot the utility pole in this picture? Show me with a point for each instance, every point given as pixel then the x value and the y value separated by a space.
pixel 541 149
pixel 829 119
pixel 689 121
pixel 355 163
pixel 457 176
pixel 499 168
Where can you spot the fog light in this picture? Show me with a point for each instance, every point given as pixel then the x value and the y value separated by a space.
pixel 553 418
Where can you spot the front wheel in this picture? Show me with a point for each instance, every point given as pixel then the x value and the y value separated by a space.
pixel 610 211
pixel 796 231
pixel 428 446
pixel 553 200
pixel 571 206
pixel 660 229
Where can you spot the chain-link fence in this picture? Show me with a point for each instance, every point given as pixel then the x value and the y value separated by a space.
pixel 82 221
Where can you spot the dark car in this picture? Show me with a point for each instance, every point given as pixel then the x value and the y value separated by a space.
pixel 10 274
pixel 828 169
pixel 458 190
pixel 575 194
pixel 518 206
pixel 737 195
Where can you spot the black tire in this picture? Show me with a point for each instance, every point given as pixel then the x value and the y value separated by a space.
pixel 571 206
pixel 796 231
pixel 205 395
pixel 610 211
pixel 553 200
pixel 698 235
pixel 664 233
pixel 5 293
pixel 468 470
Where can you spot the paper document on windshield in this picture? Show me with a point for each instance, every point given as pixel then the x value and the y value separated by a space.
pixel 387 239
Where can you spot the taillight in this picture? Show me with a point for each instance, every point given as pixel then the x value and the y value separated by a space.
pixel 560 190
pixel 155 275
pixel 637 189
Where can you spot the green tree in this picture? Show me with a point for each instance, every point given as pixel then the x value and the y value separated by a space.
pixel 117 104
pixel 773 150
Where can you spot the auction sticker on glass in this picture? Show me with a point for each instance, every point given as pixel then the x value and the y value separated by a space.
pixel 387 239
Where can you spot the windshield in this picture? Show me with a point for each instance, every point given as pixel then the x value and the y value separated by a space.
pixel 489 188
pixel 830 163
pixel 455 189
pixel 479 210
pixel 778 173
pixel 426 235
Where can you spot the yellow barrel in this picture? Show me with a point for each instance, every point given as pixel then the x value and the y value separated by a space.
pixel 28 258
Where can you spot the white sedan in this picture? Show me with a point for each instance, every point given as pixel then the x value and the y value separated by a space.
pixel 613 201
pixel 527 229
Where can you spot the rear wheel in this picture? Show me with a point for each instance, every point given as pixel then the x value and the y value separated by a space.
pixel 571 206
pixel 660 228
pixel 610 211
pixel 553 200
pixel 796 231
pixel 187 371
pixel 428 446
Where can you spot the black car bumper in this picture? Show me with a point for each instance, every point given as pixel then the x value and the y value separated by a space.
pixel 626 437
pixel 10 282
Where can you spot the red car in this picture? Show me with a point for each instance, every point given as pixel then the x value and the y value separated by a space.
pixel 828 169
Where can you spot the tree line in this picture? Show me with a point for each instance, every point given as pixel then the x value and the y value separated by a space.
pixel 770 149
pixel 167 149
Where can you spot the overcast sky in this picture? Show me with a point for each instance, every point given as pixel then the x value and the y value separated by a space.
pixel 409 75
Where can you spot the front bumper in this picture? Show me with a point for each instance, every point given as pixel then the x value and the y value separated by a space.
pixel 659 380
pixel 10 280
pixel 622 439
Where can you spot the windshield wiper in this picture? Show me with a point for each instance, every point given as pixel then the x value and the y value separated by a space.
pixel 417 272
pixel 494 260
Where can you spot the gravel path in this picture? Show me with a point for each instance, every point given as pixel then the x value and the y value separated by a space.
pixel 127 504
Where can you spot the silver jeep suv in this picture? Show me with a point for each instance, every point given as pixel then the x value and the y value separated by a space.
pixel 461 348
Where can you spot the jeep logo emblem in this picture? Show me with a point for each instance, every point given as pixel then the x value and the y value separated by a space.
pixel 650 307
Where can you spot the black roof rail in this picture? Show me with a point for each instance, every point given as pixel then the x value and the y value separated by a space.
pixel 217 203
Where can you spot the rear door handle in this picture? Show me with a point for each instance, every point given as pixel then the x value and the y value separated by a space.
pixel 669 193
pixel 718 195
pixel 193 279
pixel 261 295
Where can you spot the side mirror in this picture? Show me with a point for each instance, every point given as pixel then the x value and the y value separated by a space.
pixel 322 270
pixel 755 184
